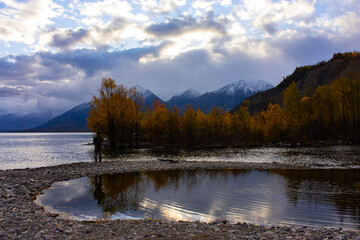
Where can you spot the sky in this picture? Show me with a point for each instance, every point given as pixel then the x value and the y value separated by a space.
pixel 54 53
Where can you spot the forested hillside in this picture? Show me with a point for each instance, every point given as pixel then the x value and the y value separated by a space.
pixel 307 79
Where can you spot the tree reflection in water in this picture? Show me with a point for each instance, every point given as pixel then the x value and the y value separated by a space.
pixel 336 187
pixel 98 192
pixel 118 192
pixel 325 197
pixel 125 191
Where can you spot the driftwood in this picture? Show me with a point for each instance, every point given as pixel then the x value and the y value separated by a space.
pixel 168 160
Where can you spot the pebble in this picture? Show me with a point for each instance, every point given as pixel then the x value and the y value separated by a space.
pixel 269 234
pixel 22 218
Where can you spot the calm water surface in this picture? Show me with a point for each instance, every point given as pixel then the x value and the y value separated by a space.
pixel 22 150
pixel 326 197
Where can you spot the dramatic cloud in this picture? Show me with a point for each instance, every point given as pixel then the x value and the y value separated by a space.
pixel 112 33
pixel 91 61
pixel 53 53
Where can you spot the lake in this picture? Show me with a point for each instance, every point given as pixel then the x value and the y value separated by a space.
pixel 322 197
pixel 29 150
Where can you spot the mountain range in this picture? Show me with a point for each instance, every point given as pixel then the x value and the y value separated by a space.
pixel 226 98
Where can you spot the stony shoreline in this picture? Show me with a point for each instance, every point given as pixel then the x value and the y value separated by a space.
pixel 21 218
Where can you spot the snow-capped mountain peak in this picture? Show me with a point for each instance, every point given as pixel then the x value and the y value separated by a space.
pixel 190 93
pixel 139 88
pixel 260 85
pixel 186 96
pixel 143 92
pixel 244 86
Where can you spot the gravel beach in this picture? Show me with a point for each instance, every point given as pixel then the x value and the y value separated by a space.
pixel 22 218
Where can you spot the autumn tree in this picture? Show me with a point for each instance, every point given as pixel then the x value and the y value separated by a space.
pixel 114 112
pixel 139 112
pixel 202 129
pixel 349 86
pixel 293 112
pixel 157 124
pixel 174 126
pixel 244 120
pixel 215 126
pixel 323 105
pixel 189 127
pixel 274 127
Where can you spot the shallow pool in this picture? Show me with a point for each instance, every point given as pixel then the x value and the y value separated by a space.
pixel 323 197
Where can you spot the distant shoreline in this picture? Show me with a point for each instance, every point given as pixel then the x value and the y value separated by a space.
pixel 42 131
pixel 150 145
pixel 20 187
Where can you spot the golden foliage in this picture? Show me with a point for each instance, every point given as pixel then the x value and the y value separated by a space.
pixel 115 112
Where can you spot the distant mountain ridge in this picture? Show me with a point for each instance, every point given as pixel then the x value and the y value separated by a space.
pixel 307 78
pixel 226 97
pixel 183 99
pixel 17 122
pixel 73 120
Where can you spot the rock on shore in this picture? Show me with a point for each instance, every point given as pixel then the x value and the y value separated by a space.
pixel 21 218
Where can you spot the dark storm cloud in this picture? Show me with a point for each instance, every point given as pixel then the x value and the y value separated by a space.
pixel 92 61
pixel 9 92
pixel 46 66
pixel 69 38
pixel 180 26
pixel 29 70
pixel 16 67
